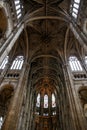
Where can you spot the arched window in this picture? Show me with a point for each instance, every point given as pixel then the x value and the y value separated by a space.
pixel 45 101
pixel 4 62
pixel 1 122
pixel 53 101
pixel 38 100
pixel 17 63
pixel 75 64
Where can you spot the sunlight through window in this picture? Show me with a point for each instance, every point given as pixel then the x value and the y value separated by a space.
pixel 75 64
pixel 38 100
pixel 45 101
pixel 17 63
pixel 18 8
pixel 4 62
pixel 75 8
pixel 1 122
pixel 53 101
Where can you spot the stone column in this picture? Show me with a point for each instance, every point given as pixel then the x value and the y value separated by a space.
pixel 13 114
pixel 28 112
pixel 78 122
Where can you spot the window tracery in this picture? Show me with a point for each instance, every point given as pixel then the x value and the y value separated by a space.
pixel 4 62
pixel 75 64
pixel 75 8
pixel 38 100
pixel 17 63
pixel 18 8
pixel 45 101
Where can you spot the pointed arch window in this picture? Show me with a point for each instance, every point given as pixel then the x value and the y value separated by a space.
pixel 53 101
pixel 17 63
pixel 4 62
pixel 45 101
pixel 38 100
pixel 1 122
pixel 75 64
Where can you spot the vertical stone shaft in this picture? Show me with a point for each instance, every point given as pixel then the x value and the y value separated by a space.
pixel 12 117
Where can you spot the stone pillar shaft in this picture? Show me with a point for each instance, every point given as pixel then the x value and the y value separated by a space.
pixel 13 114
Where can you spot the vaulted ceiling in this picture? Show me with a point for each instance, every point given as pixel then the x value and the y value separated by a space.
pixel 49 38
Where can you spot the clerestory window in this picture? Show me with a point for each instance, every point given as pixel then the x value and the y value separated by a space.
pixel 18 8
pixel 75 8
pixel 4 62
pixel 75 64
pixel 17 63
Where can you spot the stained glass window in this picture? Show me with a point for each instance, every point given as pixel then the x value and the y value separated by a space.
pixel 17 63
pixel 38 100
pixel 53 101
pixel 45 101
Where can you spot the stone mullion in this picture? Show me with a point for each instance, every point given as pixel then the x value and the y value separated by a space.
pixel 76 121
pixel 13 114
